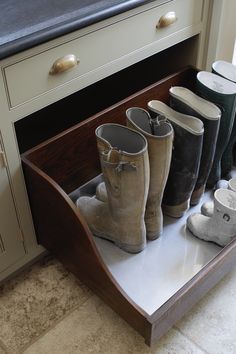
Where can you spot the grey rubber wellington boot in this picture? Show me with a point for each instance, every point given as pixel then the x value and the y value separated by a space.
pixel 185 101
pixel 159 135
pixel 221 226
pixel 187 149
pixel 208 207
pixel 125 166
pixel 228 71
pixel 222 92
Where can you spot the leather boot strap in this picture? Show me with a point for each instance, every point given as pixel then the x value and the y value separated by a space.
pixel 108 156
pixel 120 166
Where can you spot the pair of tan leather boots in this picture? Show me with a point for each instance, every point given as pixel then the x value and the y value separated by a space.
pixel 135 165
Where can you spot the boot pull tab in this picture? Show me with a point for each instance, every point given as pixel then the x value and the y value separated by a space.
pixel 110 155
pixel 155 123
pixel 226 217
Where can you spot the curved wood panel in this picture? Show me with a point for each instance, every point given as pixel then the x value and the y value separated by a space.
pixel 63 231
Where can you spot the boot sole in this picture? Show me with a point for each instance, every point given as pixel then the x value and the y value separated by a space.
pixel 124 246
pixel 154 237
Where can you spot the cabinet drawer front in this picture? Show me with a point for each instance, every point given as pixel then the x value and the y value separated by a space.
pixel 95 51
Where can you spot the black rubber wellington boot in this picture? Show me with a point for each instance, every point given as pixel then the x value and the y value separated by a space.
pixel 187 148
pixel 185 101
pixel 228 71
pixel 222 92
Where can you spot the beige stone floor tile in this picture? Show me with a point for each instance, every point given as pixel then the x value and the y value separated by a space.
pixel 95 329
pixel 35 300
pixel 212 322
pixel 2 351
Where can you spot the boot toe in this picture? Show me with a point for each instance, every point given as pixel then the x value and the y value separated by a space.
pixel 94 212
pixel 198 224
pixel 82 204
pixel 101 192
pixel 191 223
pixel 207 209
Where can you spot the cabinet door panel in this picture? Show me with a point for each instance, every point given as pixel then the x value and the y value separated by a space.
pixel 11 242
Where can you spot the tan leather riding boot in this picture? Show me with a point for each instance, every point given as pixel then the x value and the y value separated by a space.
pixel 125 166
pixel 159 135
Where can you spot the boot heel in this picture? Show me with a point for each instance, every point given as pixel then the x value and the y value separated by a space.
pixel 176 211
pixel 130 248
pixel 197 196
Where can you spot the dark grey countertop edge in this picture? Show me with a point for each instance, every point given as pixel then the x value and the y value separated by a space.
pixel 61 29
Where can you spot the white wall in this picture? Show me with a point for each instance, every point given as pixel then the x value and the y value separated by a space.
pixel 223 31
pixel 227 33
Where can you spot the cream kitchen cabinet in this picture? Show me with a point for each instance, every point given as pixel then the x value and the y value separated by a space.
pixel 11 239
pixel 176 29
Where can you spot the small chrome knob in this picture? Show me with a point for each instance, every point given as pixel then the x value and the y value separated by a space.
pixel 166 20
pixel 63 64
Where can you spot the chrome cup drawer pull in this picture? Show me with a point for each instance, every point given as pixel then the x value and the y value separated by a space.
pixel 166 20
pixel 63 64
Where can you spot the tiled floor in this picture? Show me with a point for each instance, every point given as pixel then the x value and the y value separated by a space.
pixel 46 310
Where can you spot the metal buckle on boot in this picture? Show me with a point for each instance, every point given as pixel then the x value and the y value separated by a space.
pixel 125 166
pixel 119 166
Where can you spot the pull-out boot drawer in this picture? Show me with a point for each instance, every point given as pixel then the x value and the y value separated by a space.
pixel 150 290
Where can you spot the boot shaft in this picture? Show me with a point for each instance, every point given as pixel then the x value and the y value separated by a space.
pixel 159 146
pixel 187 102
pixel 159 134
pixel 224 69
pixel 225 206
pixel 227 71
pixel 125 165
pixel 224 212
pixel 222 93
pixel 188 135
pixel 232 184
